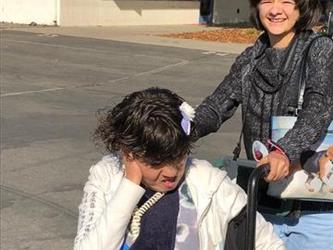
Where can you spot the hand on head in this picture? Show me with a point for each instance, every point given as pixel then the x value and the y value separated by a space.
pixel 132 170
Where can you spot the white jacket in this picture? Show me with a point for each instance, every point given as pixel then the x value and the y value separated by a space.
pixel 109 200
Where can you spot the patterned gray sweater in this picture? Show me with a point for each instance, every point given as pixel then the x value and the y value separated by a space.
pixel 258 82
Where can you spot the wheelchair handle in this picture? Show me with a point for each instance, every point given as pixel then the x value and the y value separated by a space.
pixel 252 203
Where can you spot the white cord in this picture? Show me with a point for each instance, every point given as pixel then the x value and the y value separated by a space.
pixel 136 219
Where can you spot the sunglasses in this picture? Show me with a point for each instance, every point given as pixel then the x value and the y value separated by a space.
pixel 260 150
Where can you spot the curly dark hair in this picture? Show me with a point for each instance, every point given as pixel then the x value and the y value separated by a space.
pixel 310 12
pixel 147 125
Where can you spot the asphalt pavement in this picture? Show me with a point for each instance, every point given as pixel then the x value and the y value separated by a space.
pixel 53 81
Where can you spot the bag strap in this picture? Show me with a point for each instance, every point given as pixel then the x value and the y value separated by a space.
pixel 330 23
pixel 301 79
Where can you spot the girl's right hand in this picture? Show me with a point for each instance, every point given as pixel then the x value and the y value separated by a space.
pixel 279 166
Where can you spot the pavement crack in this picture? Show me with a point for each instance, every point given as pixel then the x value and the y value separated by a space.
pixel 40 200
pixel 148 72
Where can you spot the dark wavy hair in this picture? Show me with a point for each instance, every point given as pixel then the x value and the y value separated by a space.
pixel 147 126
pixel 310 12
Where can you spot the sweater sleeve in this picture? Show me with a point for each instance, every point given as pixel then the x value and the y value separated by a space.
pixel 102 224
pixel 223 102
pixel 317 111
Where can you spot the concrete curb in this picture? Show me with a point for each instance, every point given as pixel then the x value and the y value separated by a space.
pixel 141 35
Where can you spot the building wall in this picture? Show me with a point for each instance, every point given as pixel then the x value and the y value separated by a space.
pixel 24 11
pixel 226 11
pixel 127 12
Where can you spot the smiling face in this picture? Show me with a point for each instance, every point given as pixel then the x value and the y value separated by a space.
pixel 279 17
pixel 163 178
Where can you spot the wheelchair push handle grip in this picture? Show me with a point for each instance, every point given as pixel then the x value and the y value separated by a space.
pixel 252 201
pixel 259 172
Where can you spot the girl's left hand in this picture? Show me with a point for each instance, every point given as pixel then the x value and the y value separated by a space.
pixel 132 170
pixel 279 166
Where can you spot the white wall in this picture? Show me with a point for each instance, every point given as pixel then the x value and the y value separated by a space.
pixel 27 11
pixel 100 12
pixel 128 12
pixel 226 11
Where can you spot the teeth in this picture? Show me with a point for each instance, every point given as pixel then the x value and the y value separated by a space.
pixel 170 180
pixel 276 20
